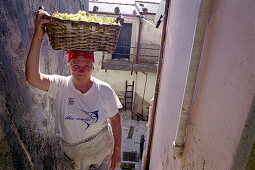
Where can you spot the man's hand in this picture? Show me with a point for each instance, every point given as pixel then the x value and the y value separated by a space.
pixel 39 28
pixel 116 158
pixel 116 129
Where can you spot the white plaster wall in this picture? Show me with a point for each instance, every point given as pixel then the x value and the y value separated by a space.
pixel 145 89
pixel 117 79
pixel 224 91
pixel 149 86
pixel 178 45
pixel 150 34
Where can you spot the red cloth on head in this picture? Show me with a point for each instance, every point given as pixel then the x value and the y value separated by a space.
pixel 73 54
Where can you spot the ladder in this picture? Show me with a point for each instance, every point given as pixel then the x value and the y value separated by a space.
pixel 129 91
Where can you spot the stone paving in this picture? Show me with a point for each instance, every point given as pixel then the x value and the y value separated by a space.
pixel 137 166
pixel 132 144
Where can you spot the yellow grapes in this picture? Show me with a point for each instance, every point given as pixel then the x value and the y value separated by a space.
pixel 82 16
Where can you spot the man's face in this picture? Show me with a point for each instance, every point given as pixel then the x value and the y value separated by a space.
pixel 81 67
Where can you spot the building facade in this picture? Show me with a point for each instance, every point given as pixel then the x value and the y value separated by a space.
pixel 136 56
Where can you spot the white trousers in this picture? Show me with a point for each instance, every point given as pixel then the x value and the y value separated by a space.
pixel 92 155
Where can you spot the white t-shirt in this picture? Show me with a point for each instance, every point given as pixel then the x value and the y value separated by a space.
pixel 82 115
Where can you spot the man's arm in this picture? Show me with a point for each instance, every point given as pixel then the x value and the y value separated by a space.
pixel 33 75
pixel 116 129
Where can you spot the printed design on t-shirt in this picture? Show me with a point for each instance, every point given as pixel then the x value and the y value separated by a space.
pixel 77 114
pixel 71 101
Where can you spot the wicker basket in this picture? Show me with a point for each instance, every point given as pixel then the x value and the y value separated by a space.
pixel 82 35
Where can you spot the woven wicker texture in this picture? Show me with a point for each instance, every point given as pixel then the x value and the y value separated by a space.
pixel 82 35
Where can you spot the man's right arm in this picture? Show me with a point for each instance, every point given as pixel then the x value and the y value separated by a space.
pixel 33 75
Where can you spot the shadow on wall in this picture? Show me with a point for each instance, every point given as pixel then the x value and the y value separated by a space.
pixel 141 107
pixel 245 154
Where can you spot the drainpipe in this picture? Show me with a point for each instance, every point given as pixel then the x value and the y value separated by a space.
pixel 154 108
pixel 192 76
pixel 139 39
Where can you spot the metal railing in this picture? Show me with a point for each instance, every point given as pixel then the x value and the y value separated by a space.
pixel 147 55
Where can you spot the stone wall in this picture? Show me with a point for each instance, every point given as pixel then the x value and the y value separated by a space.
pixel 27 110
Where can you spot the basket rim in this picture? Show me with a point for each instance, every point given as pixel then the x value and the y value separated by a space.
pixel 55 41
pixel 79 22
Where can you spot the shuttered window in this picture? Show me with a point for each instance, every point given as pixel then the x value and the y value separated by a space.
pixel 130 156
pixel 122 50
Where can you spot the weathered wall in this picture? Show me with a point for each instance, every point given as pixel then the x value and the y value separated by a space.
pixel 224 91
pixel 116 78
pixel 150 34
pixel 178 45
pixel 30 110
pixel 145 87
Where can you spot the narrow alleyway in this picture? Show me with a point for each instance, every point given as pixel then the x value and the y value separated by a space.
pixel 131 144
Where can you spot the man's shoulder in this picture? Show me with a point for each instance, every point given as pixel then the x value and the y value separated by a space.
pixel 57 83
pixel 59 79
pixel 101 84
pixel 104 88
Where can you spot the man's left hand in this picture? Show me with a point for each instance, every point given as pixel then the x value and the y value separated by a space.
pixel 116 158
pixel 116 129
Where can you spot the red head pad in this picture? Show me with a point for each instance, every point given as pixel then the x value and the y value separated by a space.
pixel 73 54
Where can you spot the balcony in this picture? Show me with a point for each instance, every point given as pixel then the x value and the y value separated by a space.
pixel 126 58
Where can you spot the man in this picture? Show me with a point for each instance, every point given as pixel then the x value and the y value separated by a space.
pixel 142 140
pixel 83 105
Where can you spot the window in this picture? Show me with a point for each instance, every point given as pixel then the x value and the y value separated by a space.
pixel 122 50
pixel 130 156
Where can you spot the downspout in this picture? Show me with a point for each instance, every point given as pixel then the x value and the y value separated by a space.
pixel 137 55
pixel 192 76
pixel 154 108
pixel 139 39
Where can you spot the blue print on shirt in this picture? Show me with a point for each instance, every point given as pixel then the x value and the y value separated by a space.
pixel 89 118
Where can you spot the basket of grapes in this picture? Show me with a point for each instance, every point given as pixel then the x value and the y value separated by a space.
pixel 82 32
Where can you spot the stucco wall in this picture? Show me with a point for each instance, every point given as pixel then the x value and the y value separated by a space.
pixel 224 91
pixel 30 109
pixel 116 78
pixel 145 87
pixel 150 34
